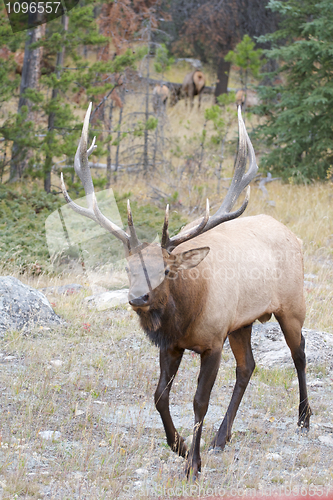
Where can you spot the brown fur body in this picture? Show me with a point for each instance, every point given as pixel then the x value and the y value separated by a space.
pixel 231 288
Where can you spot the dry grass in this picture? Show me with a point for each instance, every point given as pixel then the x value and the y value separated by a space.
pixel 99 398
pixel 112 444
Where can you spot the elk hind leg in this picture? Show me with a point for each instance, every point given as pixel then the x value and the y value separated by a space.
pixel 199 99
pixel 240 343
pixel 291 327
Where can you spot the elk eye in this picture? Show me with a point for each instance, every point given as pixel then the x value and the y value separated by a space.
pixel 127 270
pixel 167 271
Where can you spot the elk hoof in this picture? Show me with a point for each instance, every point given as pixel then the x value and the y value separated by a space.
pixel 192 472
pixel 180 448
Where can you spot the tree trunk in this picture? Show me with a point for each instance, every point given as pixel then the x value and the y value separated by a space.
pixel 118 144
pixel 146 135
pixel 29 79
pixel 223 70
pixel 108 159
pixel 51 118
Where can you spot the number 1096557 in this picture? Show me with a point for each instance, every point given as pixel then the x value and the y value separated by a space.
pixel 32 7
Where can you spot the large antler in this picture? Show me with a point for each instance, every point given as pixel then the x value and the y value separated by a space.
pixel 82 169
pixel 239 181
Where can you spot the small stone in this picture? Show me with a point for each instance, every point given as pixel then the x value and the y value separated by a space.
pixel 141 472
pixel 274 456
pixel 56 362
pixel 78 413
pixel 49 435
pixel 328 440
pixel 109 299
pixel 111 383
pixel 103 443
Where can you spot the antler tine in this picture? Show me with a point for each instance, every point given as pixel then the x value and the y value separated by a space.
pixel 190 233
pixel 82 169
pixel 92 147
pixel 134 240
pixel 236 186
pixel 253 167
pixel 108 225
pixel 165 232
pixel 80 210
pixel 81 165
pixel 239 180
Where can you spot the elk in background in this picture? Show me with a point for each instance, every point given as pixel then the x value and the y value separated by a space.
pixel 209 282
pixel 193 84
pixel 160 98
pixel 247 99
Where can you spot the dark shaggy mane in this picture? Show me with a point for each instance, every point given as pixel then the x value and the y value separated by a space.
pixel 163 331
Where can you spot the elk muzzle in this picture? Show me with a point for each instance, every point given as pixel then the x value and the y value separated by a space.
pixel 139 302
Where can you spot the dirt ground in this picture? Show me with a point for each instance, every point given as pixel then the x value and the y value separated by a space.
pixel 78 419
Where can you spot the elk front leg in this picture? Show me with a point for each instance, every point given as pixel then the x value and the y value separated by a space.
pixel 169 362
pixel 240 343
pixel 210 363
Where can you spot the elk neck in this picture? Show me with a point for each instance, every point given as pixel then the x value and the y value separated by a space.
pixel 174 314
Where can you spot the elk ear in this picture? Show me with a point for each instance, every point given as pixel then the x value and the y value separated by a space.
pixel 190 258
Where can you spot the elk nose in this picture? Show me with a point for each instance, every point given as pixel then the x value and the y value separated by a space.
pixel 139 301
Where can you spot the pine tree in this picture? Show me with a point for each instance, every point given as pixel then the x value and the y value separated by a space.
pixel 29 95
pixel 248 60
pixel 69 77
pixel 299 126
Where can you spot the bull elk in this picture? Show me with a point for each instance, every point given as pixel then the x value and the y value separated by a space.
pixel 209 282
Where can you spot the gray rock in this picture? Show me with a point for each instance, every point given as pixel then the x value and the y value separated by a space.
pixel 23 307
pixel 270 348
pixel 107 300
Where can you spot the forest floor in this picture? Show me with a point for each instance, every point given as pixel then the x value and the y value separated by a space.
pixel 78 419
